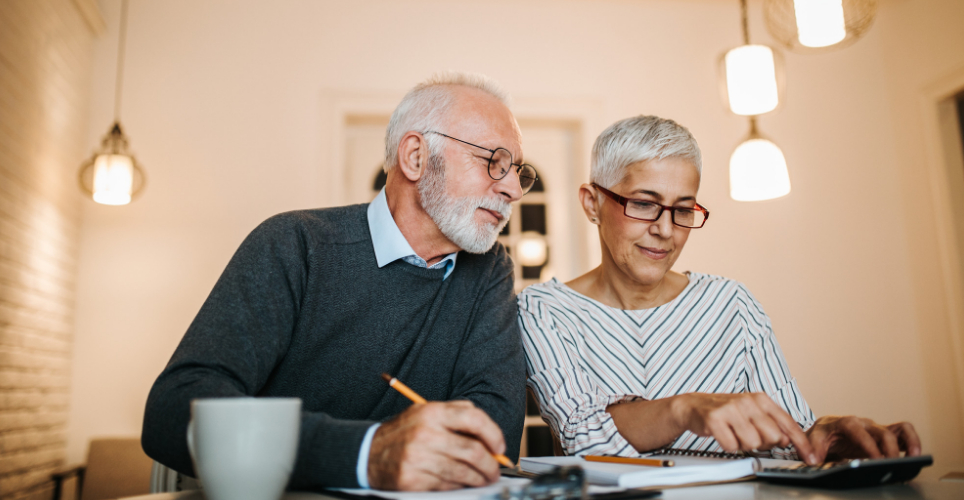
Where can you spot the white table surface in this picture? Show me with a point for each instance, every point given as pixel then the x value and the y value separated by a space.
pixel 751 490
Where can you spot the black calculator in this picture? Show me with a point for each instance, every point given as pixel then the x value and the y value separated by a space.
pixel 857 473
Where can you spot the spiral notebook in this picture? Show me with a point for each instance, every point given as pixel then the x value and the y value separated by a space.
pixel 678 454
pixel 690 467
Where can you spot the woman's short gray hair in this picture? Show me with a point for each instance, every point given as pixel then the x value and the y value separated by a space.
pixel 637 139
pixel 423 108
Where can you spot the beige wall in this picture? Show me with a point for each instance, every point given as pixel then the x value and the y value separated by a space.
pixel 225 105
pixel 45 57
pixel 924 60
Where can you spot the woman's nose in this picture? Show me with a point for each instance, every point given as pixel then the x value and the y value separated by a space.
pixel 663 226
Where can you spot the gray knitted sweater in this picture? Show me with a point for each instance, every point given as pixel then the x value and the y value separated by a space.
pixel 302 310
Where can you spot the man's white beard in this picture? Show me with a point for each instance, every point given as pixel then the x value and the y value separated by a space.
pixel 455 217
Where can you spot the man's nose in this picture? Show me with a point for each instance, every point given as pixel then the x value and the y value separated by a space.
pixel 510 186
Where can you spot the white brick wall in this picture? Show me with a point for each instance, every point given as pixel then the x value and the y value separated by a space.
pixel 45 51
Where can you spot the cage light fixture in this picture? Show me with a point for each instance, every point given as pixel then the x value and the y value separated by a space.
pixel 818 25
pixel 112 176
pixel 752 76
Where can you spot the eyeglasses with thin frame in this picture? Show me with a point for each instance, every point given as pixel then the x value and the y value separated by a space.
pixel 500 162
pixel 650 211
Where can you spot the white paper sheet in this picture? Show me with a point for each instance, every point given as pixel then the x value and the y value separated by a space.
pixel 513 483
pixel 687 470
pixel 463 494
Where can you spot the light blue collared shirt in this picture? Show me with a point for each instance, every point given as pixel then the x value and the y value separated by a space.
pixel 390 245
pixel 389 242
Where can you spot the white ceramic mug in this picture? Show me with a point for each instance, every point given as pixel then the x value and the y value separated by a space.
pixel 244 448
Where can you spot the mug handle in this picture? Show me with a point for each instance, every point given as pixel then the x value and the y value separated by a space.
pixel 190 438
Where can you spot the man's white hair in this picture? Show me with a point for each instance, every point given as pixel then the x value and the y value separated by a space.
pixel 424 107
pixel 637 139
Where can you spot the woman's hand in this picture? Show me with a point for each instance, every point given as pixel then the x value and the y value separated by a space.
pixel 743 422
pixel 835 438
pixel 739 422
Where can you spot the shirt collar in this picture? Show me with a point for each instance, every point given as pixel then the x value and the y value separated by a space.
pixel 389 242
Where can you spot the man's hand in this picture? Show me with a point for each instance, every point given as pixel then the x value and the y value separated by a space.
pixel 742 422
pixel 835 438
pixel 435 446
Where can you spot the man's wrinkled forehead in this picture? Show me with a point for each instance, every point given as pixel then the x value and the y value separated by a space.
pixel 481 116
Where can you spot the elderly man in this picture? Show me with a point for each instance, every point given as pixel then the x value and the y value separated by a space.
pixel 316 304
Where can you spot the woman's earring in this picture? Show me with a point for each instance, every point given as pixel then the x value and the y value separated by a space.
pixel 594 220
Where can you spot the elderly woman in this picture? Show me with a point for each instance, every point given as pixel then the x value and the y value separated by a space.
pixel 633 357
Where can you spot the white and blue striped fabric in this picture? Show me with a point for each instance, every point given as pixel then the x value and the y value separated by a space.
pixel 582 356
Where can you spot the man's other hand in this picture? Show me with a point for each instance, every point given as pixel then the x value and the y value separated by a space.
pixel 435 446
pixel 835 438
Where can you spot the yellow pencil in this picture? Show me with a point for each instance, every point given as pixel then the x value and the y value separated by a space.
pixel 652 462
pixel 396 384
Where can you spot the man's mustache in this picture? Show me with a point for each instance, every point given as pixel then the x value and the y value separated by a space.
pixel 503 207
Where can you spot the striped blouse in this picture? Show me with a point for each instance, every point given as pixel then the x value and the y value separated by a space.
pixel 582 356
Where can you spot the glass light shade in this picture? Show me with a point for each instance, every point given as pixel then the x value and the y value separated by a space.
pixel 751 80
pixel 532 249
pixel 113 179
pixel 112 175
pixel 820 23
pixel 815 26
pixel 758 171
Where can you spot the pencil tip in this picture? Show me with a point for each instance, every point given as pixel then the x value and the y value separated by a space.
pixel 387 377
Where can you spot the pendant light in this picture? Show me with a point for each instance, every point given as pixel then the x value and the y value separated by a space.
pixel 532 249
pixel 112 176
pixel 818 25
pixel 752 75
pixel 753 83
pixel 758 169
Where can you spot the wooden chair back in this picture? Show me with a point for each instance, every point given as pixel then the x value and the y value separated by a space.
pixel 116 468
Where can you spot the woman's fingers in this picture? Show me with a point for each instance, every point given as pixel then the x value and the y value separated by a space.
pixel 755 422
pixel 723 433
pixel 746 433
pixel 793 433
pixel 907 437
pixel 749 422
pixel 855 431
pixel 820 440
pixel 765 416
pixel 886 440
pixel 854 437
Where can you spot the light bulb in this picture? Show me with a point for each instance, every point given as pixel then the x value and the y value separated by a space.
pixel 820 23
pixel 751 80
pixel 532 249
pixel 113 179
pixel 758 171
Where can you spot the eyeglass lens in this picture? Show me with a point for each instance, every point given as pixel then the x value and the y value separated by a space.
pixel 501 164
pixel 686 217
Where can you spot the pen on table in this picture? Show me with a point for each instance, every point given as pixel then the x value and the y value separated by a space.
pixel 396 384
pixel 652 462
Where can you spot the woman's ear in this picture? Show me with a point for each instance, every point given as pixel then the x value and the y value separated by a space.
pixel 590 205
pixel 412 156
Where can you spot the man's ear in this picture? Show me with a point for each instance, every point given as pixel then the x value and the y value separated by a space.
pixel 412 156
pixel 587 197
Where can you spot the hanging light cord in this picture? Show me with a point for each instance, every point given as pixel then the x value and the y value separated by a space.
pixel 118 86
pixel 746 29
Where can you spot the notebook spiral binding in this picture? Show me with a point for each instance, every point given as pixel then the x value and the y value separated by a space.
pixel 699 453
